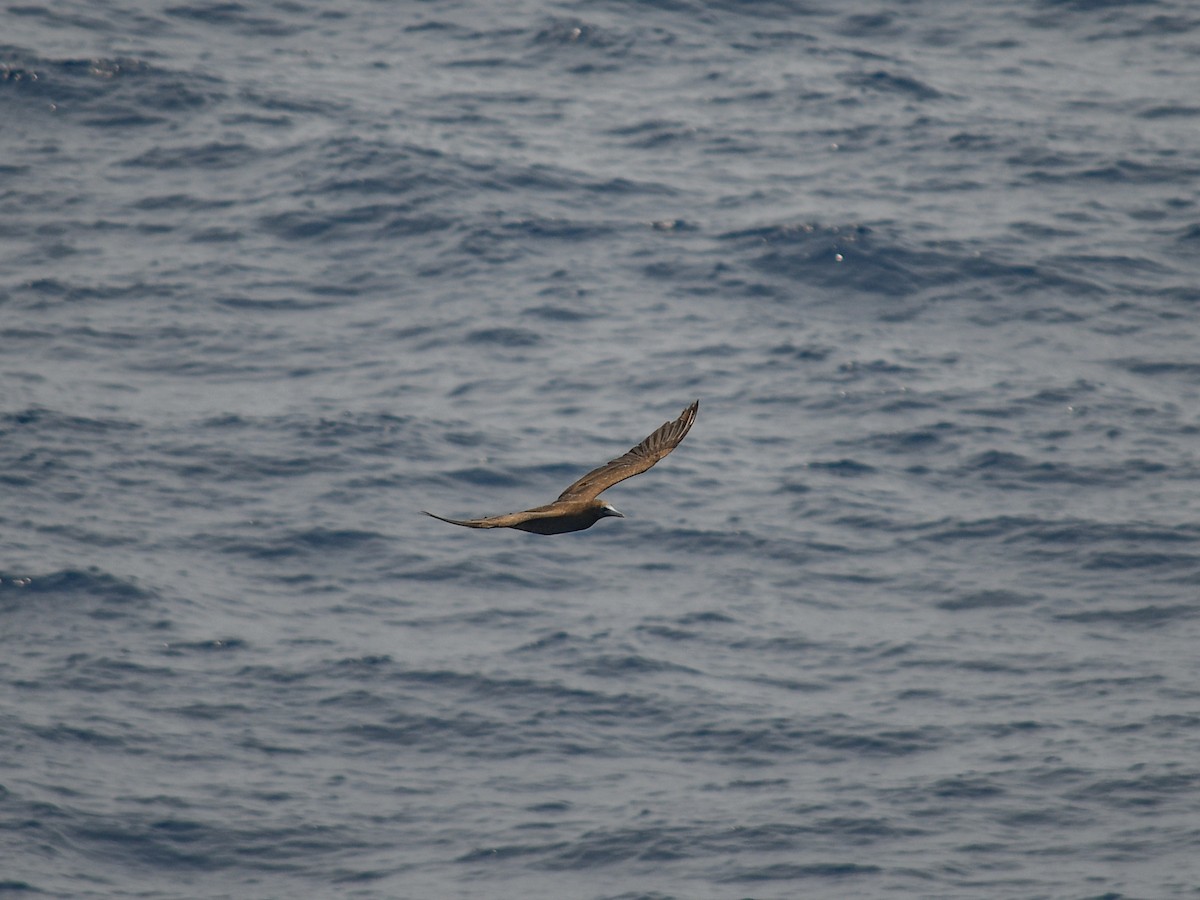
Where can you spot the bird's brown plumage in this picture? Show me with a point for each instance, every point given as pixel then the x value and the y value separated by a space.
pixel 577 507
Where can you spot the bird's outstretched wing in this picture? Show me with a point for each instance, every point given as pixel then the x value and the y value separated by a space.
pixel 508 520
pixel 636 461
pixel 469 523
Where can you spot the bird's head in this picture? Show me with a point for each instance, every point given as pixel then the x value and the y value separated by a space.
pixel 607 509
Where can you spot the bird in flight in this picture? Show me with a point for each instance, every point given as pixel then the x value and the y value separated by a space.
pixel 580 506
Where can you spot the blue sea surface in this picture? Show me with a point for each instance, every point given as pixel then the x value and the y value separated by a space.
pixel 914 610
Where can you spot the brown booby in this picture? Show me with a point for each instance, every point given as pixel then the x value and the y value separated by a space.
pixel 579 506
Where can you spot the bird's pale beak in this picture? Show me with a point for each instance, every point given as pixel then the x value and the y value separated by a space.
pixel 613 511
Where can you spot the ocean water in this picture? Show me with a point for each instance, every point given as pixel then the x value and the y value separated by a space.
pixel 912 612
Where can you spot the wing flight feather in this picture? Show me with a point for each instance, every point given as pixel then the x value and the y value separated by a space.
pixel 508 520
pixel 636 461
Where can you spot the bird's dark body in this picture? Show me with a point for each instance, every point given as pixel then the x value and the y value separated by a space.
pixel 561 524
pixel 552 519
pixel 578 507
